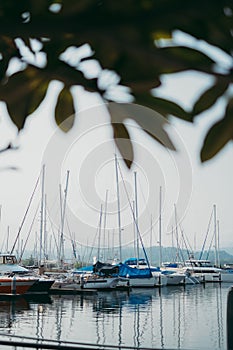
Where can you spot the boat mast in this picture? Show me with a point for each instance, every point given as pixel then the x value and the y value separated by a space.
pixel 215 236
pixel 59 229
pixel 63 222
pixel 7 240
pixel 219 264
pixel 105 221
pixel 136 216
pixel 113 251
pixel 99 237
pixel 160 226
pixel 134 229
pixel 151 231
pixel 173 257
pixel 45 229
pixel 118 204
pixel 176 232
pixel 41 214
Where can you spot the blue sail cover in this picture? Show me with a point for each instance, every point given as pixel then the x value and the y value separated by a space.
pixel 84 269
pixel 130 272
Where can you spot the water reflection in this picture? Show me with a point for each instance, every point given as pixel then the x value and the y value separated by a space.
pixel 109 302
pixel 173 317
pixel 9 310
pixel 13 308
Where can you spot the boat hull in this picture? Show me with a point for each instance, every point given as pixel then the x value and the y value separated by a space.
pixel 100 283
pixel 15 285
pixel 207 277
pixel 143 282
pixel 175 279
pixel 42 286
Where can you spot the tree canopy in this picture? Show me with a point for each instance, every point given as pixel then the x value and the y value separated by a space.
pixel 55 40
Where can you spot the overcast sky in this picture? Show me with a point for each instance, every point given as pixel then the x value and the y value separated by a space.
pixel 88 153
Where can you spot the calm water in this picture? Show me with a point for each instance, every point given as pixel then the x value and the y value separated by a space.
pixel 193 317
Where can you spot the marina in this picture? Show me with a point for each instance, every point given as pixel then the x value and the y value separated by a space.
pixel 116 175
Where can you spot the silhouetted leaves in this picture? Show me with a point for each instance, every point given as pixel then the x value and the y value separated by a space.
pixel 210 96
pixel 123 143
pixel 165 107
pixel 64 111
pixel 180 58
pixel 150 121
pixel 219 134
pixel 122 37
pixel 23 93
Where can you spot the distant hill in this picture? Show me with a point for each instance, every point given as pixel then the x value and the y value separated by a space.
pixel 171 254
pixel 168 254
pixel 229 250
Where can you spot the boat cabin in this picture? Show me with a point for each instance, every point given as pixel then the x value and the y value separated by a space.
pixel 9 264
pixel 201 266
pixel 134 262
pixel 8 259
pixel 198 263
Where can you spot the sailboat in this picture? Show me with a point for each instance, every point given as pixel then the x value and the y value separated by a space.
pixel 203 269
pixel 99 276
pixel 139 277
pixel 124 275
pixel 10 266
pixel 141 274
pixel 104 276
pixel 174 277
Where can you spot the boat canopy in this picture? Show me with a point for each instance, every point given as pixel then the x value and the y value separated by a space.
pixel 106 269
pixel 141 263
pixel 132 272
pixel 83 269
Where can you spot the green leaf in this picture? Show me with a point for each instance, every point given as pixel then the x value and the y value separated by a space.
pixel 38 95
pixel 218 135
pixel 16 98
pixel 23 93
pixel 210 96
pixel 229 110
pixel 64 111
pixel 163 106
pixel 181 58
pixel 123 142
pixel 17 113
pixel 150 121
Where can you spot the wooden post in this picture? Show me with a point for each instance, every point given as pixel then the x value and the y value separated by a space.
pixel 230 319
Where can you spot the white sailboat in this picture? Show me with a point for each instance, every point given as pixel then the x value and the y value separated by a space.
pixel 174 277
pixel 203 269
